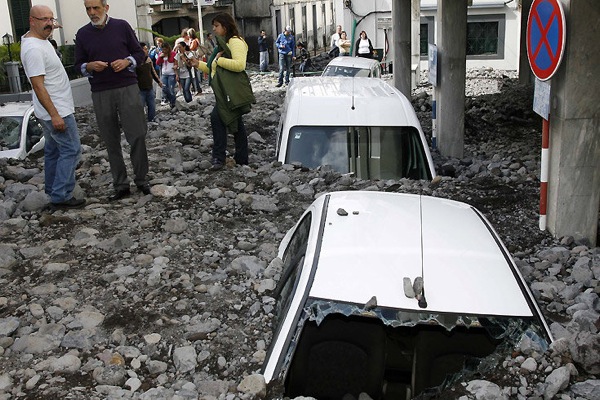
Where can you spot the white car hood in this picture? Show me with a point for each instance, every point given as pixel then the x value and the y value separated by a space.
pixel 463 266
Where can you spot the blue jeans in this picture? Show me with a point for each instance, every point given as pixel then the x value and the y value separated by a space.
pixel 147 97
pixel 185 84
pixel 196 78
pixel 264 61
pixel 61 155
pixel 285 64
pixel 219 131
pixel 168 89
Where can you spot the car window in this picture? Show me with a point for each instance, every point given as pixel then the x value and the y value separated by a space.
pixel 34 132
pixel 10 132
pixel 337 70
pixel 293 258
pixel 370 152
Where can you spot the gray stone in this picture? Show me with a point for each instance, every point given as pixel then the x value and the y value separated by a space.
pixel 184 359
pixel 253 385
pixel 9 325
pixel 35 201
pixel 556 381
pixel 112 375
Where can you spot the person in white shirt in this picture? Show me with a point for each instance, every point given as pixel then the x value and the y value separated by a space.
pixel 334 49
pixel 363 47
pixel 53 105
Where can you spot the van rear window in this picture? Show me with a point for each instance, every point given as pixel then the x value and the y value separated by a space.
pixel 369 152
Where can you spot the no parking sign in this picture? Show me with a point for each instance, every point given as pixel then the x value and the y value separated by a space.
pixel 546 35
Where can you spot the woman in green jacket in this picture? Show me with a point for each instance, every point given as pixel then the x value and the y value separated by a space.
pixel 231 58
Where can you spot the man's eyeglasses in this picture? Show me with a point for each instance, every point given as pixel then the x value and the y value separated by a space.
pixel 53 20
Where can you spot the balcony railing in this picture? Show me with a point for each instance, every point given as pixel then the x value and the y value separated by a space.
pixel 171 5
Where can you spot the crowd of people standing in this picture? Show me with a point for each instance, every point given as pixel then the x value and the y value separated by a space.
pixel 121 72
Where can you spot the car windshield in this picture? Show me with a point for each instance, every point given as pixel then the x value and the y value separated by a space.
pixel 370 152
pixel 10 132
pixel 338 70
pixel 414 351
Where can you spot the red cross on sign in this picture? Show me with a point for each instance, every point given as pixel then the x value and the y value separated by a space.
pixel 546 35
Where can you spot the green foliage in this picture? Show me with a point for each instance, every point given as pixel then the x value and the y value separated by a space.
pixel 15 50
pixel 169 39
pixel 68 54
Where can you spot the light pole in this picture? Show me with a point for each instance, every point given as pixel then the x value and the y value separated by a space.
pixel 11 67
pixel 7 40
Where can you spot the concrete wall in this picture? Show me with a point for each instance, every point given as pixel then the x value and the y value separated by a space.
pixel 82 95
pixel 574 177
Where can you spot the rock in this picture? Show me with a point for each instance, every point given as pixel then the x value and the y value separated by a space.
pixel 184 359
pixel 556 381
pixel 253 385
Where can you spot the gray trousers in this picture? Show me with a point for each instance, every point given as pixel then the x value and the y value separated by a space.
pixel 116 108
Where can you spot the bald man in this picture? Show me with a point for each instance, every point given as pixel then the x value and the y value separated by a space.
pixel 53 106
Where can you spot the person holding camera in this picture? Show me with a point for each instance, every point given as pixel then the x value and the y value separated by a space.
pixel 166 61
pixel 263 51
pixel 182 67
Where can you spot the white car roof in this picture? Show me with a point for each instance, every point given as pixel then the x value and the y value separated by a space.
pixel 14 109
pixel 345 101
pixel 368 252
pixel 356 62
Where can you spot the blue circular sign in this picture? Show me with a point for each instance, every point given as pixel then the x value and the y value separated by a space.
pixel 546 35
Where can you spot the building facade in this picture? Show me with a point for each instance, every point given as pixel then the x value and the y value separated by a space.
pixel 493 29
pixel 493 26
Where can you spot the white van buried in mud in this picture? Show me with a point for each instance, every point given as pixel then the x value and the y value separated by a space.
pixel 361 126
pixel 394 295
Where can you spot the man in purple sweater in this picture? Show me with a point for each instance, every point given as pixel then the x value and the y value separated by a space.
pixel 107 52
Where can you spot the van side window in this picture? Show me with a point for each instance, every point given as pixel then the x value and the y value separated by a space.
pixel 395 152
pixel 319 145
pixel 293 259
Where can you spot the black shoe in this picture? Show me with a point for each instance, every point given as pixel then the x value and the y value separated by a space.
pixel 216 165
pixel 279 85
pixel 120 194
pixel 71 203
pixel 144 188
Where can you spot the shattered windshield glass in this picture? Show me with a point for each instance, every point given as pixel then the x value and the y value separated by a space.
pixel 506 328
pixel 10 132
pixel 406 352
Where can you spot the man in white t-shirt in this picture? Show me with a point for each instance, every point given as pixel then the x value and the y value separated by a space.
pixel 334 49
pixel 53 106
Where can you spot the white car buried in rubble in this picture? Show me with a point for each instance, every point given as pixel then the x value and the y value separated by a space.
pixel 358 126
pixel 21 134
pixel 392 295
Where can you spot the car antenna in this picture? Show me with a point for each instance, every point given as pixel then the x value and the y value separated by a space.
pixel 422 300
pixel 352 108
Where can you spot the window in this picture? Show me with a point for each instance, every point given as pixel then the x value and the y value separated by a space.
pixel 485 36
pixel 293 259
pixel 369 152
pixel 482 38
pixel 19 11
pixel 10 132
pixel 426 35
